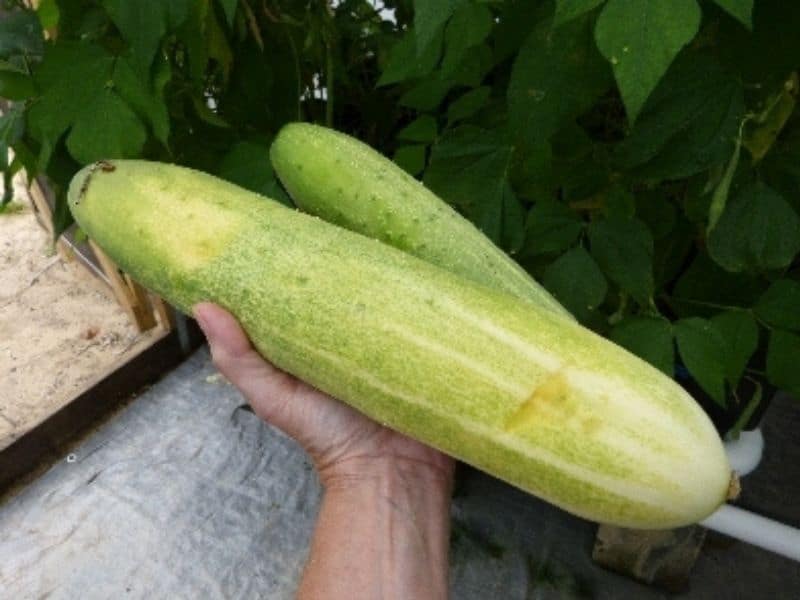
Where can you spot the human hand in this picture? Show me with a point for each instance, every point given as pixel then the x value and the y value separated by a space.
pixel 345 446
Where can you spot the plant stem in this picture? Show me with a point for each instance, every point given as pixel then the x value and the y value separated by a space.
pixel 328 84
pixel 745 415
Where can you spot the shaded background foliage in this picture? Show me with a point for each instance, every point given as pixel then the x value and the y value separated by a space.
pixel 641 158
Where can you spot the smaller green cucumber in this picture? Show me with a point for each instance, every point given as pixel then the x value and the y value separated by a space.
pixel 345 182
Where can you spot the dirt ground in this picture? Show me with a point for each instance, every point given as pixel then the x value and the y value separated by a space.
pixel 60 327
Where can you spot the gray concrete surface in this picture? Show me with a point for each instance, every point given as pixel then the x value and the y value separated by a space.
pixel 186 494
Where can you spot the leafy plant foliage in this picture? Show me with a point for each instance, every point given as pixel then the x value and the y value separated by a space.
pixel 640 157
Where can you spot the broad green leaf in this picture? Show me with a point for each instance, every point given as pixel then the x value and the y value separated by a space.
pixel 229 7
pixel 48 13
pixel 427 94
pixel 741 10
pixel 782 353
pixel 469 26
pixel 12 126
pixel 688 124
pixel 758 231
pixel 702 350
pixel 108 128
pixel 144 23
pixel 247 164
pixel 146 102
pixel 557 75
pixel 467 105
pixel 624 250
pixel 779 306
pixel 576 282
pixel 566 10
pixel 472 69
pixel 657 212
pixel 421 129
pixel 740 332
pixel 649 338
pixel 429 19
pixel 704 287
pixel 411 158
pixel 404 63
pixel 516 20
pixel 671 251
pixel 20 34
pixel 469 169
pixel 619 202
pixel 63 101
pixel 551 227
pixel 640 38
pixel 15 85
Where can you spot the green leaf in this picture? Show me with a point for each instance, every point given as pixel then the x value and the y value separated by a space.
pixel 15 85
pixel 143 23
pixel 12 126
pixel 758 231
pixel 740 332
pixel 671 251
pixel 704 286
pixel 146 102
pixel 48 14
pixel 411 158
pixel 624 250
pixel 467 105
pixel 576 282
pixel 108 128
pixel 702 350
pixel 779 306
pixel 421 129
pixel 649 338
pixel 470 72
pixel 469 168
pixel 404 62
pixel 741 10
pixel 556 77
pixel 426 95
pixel 688 124
pixel 229 7
pixel 247 164
pixel 566 10
pixel 619 202
pixel 551 227
pixel 640 38
pixel 21 34
pixel 429 19
pixel 469 26
pixel 782 353
pixel 657 212
pixel 63 101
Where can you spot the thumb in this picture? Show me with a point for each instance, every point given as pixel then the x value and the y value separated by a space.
pixel 274 394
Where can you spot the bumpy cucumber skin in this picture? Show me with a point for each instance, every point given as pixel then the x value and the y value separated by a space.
pixel 500 383
pixel 342 180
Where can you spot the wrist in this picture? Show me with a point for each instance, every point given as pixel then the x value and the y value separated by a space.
pixel 360 473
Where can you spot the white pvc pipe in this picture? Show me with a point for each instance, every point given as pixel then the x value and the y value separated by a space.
pixel 755 529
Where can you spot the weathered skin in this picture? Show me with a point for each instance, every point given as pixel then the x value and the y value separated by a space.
pixel 343 181
pixel 509 387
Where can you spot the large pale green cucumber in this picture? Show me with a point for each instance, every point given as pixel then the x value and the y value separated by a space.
pixel 493 380
pixel 344 181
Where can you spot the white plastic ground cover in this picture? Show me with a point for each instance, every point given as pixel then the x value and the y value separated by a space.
pixel 185 494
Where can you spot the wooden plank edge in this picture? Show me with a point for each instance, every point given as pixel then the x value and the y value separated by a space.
pixel 41 446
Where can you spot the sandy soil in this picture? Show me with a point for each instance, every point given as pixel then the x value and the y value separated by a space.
pixel 60 328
